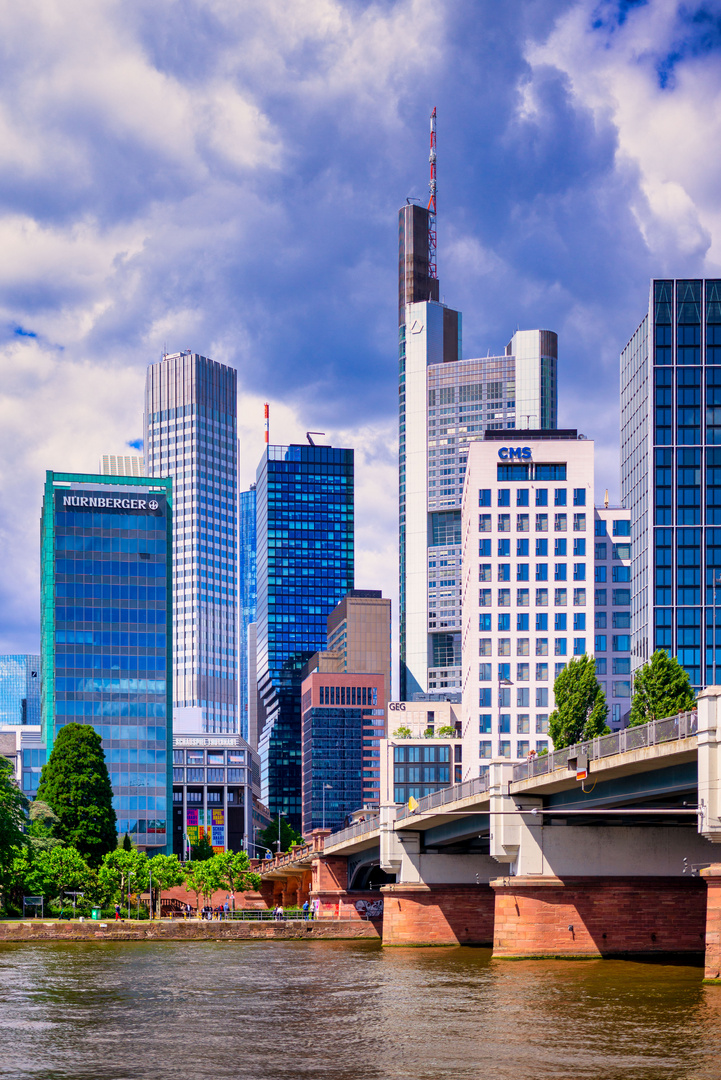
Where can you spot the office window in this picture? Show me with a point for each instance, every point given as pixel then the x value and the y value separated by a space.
pixel 579 522
pixel 504 670
pixel 558 668
pixel 484 572
pixel 541 621
pixel 600 574
pixel 504 724
pixel 522 646
pixel 522 571
pixel 504 571
pixel 522 523
pixel 522 623
pixel 622 643
pixel 599 621
pixel 579 547
pixel 521 597
pixel 522 748
pixel 620 573
pixel 484 749
pixel 485 697
pixel 484 497
pixel 621 528
pixel 484 598
pixel 504 649
pixel 522 672
pixel 600 643
pixel 504 597
pixel 522 724
pixel 621 620
pixel 541 646
pixel 621 597
pixel 504 523
pixel 541 547
pixel 600 551
pixel 622 665
pixel 504 548
pixel 561 597
pixel 559 620
pixel 622 689
pixel 541 522
pixel 541 597
pixel 504 748
pixel 521 496
pixel 561 646
pixel 559 572
pixel 522 547
pixel 542 672
pixel 541 723
pixel 484 549
pixel 484 646
pixel 541 496
pixel 601 665
pixel 621 551
pixel 504 496
pixel 579 496
pixel 559 497
pixel 600 597
pixel 579 597
pixel 522 697
pixel 600 529
pixel 484 724
pixel 484 523
pixel 541 746
pixel 560 522
pixel 579 646
pixel 541 697
pixel 542 571
pixel 484 672
pixel 560 547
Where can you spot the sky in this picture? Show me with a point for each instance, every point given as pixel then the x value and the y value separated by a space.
pixel 224 176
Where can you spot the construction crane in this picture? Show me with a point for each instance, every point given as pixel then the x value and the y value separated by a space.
pixel 432 268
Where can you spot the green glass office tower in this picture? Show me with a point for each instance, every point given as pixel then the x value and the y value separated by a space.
pixel 305 566
pixel 248 597
pixel 106 632
pixel 671 474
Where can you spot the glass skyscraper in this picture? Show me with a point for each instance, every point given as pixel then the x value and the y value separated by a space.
pixel 671 474
pixel 20 689
pixel 445 403
pixel 106 573
pixel 191 436
pixel 248 596
pixel 305 566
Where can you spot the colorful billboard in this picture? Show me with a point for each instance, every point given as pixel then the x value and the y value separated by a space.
pixel 208 823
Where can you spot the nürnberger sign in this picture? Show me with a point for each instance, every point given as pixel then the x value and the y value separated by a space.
pixel 94 500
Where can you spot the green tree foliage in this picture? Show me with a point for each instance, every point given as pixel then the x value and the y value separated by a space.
pixel 62 869
pixel 127 843
pixel 661 688
pixel 402 732
pixel 167 873
pixel 122 871
pixel 76 784
pixel 288 836
pixel 13 805
pixel 235 873
pixel 202 850
pixel 581 708
pixel 446 732
pixel 41 830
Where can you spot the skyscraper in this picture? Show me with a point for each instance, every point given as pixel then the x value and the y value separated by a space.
pixel 191 436
pixel 305 566
pixel 445 403
pixel 106 572
pixel 671 474
pixel 248 598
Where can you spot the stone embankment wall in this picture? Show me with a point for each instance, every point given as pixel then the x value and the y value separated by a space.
pixel 188 930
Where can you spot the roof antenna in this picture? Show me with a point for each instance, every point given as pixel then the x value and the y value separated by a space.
pixel 605 501
pixel 266 408
pixel 309 433
pixel 432 268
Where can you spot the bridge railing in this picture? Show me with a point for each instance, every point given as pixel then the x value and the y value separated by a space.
pixel 358 829
pixel 446 795
pixel 634 738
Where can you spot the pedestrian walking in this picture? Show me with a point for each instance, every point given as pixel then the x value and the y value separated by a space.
pixel 306 909
pixel 226 909
pixel 117 911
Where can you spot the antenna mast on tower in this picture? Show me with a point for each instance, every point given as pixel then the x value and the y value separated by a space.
pixel 432 268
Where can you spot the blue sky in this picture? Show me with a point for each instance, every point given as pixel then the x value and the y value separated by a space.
pixel 224 176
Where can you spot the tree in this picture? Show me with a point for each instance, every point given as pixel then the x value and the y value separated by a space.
pixel 447 732
pixel 13 805
pixel 127 843
pixel 234 871
pixel 62 869
pixel 202 878
pixel 201 851
pixel 167 873
pixel 121 871
pixel 661 688
pixel 76 784
pixel 288 836
pixel 41 830
pixel 402 732
pixel 581 708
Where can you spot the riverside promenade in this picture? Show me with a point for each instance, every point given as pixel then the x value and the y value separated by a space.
pixel 34 930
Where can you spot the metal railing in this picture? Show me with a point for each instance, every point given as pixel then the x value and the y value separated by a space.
pixel 359 829
pixel 634 738
pixel 446 795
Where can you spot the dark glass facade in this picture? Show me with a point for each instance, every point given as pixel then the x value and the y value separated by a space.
pixel 20 689
pixel 420 770
pixel 671 474
pixel 248 601
pixel 305 566
pixel 106 625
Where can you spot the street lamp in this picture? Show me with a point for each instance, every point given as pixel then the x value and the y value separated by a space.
pixel 326 787
pixel 281 813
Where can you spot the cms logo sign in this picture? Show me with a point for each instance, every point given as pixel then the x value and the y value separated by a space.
pixel 515 453
pixel 397 706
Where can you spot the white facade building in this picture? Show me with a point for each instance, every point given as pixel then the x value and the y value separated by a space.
pixel 528 586
pixel 446 404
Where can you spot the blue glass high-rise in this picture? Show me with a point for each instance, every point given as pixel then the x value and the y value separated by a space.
pixel 305 566
pixel 106 624
pixel 191 436
pixel 248 595
pixel 671 475
pixel 20 689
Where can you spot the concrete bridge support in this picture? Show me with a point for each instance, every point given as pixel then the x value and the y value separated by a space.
pixel 419 914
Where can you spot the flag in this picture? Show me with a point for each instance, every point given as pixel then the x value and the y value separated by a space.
pixel 412 803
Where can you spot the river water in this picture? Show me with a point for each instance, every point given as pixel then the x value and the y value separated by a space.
pixel 346 1011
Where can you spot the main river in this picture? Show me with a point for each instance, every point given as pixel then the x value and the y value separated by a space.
pixel 346 1011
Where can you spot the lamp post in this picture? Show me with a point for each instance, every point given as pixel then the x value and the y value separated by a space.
pixel 281 813
pixel 326 787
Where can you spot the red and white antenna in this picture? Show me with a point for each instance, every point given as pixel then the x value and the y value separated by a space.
pixel 432 268
pixel 267 423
